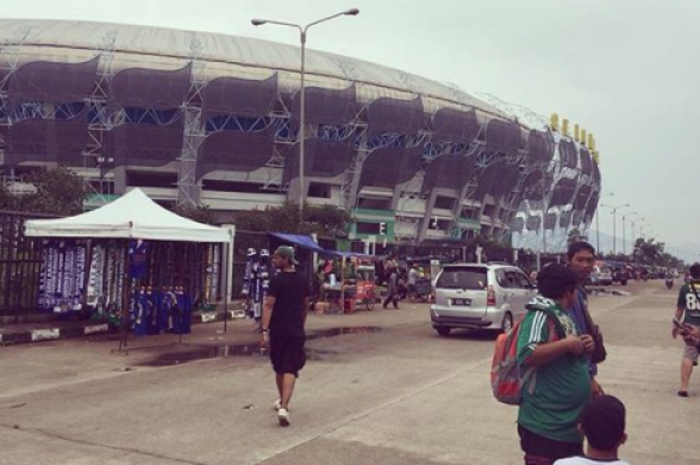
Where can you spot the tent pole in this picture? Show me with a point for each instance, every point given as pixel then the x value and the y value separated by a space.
pixel 225 280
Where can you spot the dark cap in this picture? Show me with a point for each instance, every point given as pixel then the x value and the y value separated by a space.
pixel 286 252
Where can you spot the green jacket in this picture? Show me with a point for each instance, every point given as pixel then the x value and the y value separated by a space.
pixel 562 387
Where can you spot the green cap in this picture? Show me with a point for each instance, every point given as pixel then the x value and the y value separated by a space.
pixel 286 252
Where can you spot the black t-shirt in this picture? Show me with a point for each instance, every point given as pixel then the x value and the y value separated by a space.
pixel 290 289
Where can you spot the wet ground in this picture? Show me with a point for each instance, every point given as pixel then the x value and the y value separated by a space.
pixel 191 353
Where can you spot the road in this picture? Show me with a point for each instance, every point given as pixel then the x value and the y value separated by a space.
pixel 402 395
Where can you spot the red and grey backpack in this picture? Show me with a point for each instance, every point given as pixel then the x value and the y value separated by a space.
pixel 507 378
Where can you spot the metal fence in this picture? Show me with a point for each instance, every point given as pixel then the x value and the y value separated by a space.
pixel 20 264
pixel 21 259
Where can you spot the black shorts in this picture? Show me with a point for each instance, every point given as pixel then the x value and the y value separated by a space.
pixel 287 353
pixel 544 451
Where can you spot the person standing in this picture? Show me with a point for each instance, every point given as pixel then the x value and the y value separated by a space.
pixel 553 351
pixel 413 276
pixel 688 312
pixel 283 321
pixel 580 259
pixel 392 290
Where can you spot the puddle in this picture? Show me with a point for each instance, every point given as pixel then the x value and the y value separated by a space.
pixel 201 352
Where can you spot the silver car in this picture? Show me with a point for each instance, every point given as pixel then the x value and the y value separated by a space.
pixel 601 275
pixel 480 296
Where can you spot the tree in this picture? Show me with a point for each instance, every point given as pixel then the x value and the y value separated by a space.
pixel 648 251
pixel 58 191
pixel 328 220
pixel 325 220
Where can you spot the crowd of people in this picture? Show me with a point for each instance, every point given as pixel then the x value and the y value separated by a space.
pixel 558 349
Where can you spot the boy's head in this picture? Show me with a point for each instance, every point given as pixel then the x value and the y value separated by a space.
pixel 581 258
pixel 558 282
pixel 603 423
pixel 695 271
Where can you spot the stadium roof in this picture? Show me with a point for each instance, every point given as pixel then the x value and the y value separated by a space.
pixel 226 49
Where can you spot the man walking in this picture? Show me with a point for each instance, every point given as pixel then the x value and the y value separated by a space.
pixel 283 320
pixel 392 290
pixel 581 258
pixel 688 312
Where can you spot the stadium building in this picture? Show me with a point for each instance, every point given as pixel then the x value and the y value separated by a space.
pixel 203 118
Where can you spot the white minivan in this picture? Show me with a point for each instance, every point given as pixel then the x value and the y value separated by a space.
pixel 480 296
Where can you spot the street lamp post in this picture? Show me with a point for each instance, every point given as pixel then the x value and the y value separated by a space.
pixel 614 213
pixel 597 226
pixel 624 233
pixel 302 100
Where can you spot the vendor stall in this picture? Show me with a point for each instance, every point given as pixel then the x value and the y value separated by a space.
pixel 343 282
pixel 350 283
pixel 138 256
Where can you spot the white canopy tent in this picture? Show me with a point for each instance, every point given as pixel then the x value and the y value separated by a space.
pixel 132 216
pixel 135 216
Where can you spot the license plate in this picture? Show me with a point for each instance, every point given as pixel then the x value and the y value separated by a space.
pixel 462 302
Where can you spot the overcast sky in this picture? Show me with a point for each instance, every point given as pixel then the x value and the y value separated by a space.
pixel 627 70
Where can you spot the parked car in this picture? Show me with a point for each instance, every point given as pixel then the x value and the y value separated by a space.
pixel 602 276
pixel 620 275
pixel 479 296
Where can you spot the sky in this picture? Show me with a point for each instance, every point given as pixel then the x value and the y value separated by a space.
pixel 626 70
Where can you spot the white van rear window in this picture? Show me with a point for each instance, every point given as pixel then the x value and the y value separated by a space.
pixel 462 278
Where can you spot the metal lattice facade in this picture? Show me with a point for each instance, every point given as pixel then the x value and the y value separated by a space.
pixel 213 119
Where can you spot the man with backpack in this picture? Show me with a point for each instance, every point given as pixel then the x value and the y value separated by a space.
pixel 556 385
pixel 687 321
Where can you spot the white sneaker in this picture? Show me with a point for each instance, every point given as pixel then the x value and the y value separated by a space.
pixel 278 404
pixel 283 417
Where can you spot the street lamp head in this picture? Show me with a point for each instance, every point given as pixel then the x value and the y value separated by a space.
pixel 258 22
pixel 352 12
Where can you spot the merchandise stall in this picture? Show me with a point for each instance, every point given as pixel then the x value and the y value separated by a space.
pixel 349 280
pixel 134 255
pixel 355 286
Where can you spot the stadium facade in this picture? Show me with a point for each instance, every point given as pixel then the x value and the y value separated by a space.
pixel 194 117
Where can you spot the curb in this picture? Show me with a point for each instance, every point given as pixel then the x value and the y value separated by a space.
pixel 52 334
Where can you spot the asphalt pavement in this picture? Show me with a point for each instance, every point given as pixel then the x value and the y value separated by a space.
pixel 386 389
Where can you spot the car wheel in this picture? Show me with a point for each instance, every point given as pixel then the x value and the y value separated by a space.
pixel 507 323
pixel 443 330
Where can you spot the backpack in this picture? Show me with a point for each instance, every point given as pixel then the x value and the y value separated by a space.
pixel 507 379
